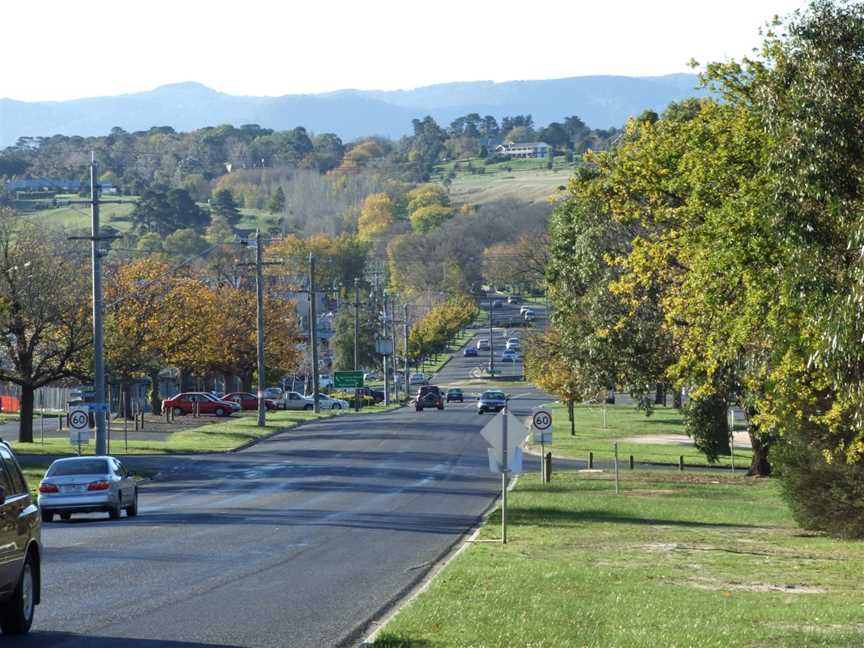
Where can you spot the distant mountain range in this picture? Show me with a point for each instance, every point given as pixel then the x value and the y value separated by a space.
pixel 601 102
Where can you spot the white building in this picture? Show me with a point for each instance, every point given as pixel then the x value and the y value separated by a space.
pixel 524 149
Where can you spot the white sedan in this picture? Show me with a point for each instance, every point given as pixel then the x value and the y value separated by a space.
pixel 325 402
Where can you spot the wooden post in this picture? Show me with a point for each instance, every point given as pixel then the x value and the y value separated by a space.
pixel 547 463
pixel 632 463
pixel 590 459
pixel 681 463
pixel 616 467
pixel 142 418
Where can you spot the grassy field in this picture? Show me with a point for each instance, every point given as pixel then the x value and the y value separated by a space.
pixel 626 422
pixel 673 561
pixel 524 180
pixel 219 437
pixel 78 216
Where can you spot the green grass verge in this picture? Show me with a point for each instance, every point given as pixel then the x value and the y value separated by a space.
pixel 674 560
pixel 218 437
pixel 625 424
pixel 78 216
pixel 455 346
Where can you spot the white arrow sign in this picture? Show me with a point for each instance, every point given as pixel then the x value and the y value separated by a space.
pixel 493 432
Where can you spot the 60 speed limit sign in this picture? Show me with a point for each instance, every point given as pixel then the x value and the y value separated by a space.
pixel 542 420
pixel 79 419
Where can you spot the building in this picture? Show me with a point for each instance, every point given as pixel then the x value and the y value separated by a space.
pixel 524 149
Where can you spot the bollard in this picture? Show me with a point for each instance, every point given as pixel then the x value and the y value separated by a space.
pixel 681 463
pixel 547 467
pixel 590 459
pixel 59 422
pixel 142 419
pixel 632 463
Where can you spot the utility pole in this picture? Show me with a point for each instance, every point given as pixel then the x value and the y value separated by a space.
pixel 313 325
pixel 405 341
pixel 384 355
pixel 491 343
pixel 356 322
pixel 393 338
pixel 259 294
pixel 98 307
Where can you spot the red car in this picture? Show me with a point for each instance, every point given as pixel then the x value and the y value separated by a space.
pixel 207 404
pixel 249 401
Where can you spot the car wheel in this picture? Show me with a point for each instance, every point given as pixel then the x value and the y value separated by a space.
pixel 16 614
pixel 65 516
pixel 114 511
pixel 179 411
pixel 219 411
pixel 307 407
pixel 132 509
pixel 47 516
pixel 335 406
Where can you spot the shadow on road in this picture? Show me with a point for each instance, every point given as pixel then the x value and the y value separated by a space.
pixel 70 640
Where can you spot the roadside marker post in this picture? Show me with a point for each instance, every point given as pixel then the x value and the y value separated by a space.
pixel 504 433
pixel 616 467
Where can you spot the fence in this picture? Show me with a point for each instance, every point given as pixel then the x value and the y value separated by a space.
pixel 55 399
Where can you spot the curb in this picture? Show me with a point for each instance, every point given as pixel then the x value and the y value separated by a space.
pixel 407 595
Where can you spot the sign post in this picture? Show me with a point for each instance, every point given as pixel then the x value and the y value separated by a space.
pixel 504 433
pixel 541 422
pixel 349 380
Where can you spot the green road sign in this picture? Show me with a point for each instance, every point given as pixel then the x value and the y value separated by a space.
pixel 343 379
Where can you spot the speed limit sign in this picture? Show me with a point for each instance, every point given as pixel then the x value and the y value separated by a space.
pixel 79 418
pixel 542 420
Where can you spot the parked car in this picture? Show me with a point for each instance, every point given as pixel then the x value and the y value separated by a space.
pixel 483 344
pixel 491 401
pixel 509 355
pixel 512 342
pixel 470 352
pixel 296 401
pixel 184 403
pixel 497 303
pixel 455 394
pixel 249 401
pixel 326 402
pixel 528 315
pixel 373 375
pixel 522 309
pixel 513 299
pixel 418 379
pixel 85 485
pixel 21 536
pixel 428 396
pixel 325 381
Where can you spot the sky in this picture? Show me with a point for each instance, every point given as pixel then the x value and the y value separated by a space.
pixel 62 50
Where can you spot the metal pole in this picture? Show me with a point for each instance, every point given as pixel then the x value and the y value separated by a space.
pixel 384 355
pixel 504 474
pixel 259 289
pixel 42 416
pixel 393 338
pixel 313 324
pixel 491 343
pixel 616 467
pixel 405 341
pixel 98 343
pixel 356 322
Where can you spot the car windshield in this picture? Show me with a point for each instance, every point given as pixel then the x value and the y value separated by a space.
pixel 79 467
pixel 491 395
pixel 455 391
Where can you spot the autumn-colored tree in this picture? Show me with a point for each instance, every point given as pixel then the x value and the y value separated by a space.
pixel 430 217
pixel 549 366
pixel 376 216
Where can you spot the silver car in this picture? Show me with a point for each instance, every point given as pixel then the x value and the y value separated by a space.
pixel 86 485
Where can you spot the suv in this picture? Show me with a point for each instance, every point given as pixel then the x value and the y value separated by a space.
pixel 429 396
pixel 21 539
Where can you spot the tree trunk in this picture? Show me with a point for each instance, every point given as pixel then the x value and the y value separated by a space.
pixel 25 426
pixel 228 379
pixel 659 394
pixel 677 400
pixel 247 382
pixel 155 398
pixel 571 417
pixel 760 466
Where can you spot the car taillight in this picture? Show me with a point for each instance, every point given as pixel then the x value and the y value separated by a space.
pixel 48 488
pixel 99 485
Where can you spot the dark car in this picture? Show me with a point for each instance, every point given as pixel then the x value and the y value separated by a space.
pixel 428 396
pixel 249 401
pixel 497 303
pixel 21 539
pixel 491 401
pixel 455 394
pixel 470 352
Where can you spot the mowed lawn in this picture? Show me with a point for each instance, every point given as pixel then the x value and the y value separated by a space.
pixel 675 560
pixel 634 433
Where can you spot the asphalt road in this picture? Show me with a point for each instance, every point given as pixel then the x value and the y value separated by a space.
pixel 301 540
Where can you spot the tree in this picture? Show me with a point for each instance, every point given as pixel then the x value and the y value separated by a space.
pixel 45 328
pixel 277 202
pixel 425 219
pixel 343 340
pixel 161 211
pixel 376 216
pixel 185 243
pixel 225 207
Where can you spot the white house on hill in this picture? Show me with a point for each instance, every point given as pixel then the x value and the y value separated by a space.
pixel 524 149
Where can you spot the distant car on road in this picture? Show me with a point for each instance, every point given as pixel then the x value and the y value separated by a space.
pixel 497 303
pixel 483 344
pixel 491 401
pixel 185 402
pixel 21 533
pixel 528 315
pixel 513 299
pixel 249 401
pixel 455 394
pixel 509 355
pixel 470 352
pixel 428 396
pixel 418 379
pixel 85 485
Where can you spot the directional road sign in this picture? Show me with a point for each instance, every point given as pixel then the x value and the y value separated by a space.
pixel 493 432
pixel 347 379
